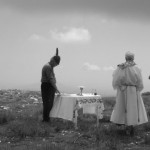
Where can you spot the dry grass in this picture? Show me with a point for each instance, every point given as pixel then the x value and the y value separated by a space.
pixel 21 128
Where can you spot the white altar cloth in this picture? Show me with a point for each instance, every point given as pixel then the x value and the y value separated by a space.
pixel 66 106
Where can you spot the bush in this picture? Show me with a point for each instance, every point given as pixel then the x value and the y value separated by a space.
pixel 145 93
pixel 28 128
pixel 109 102
pixel 6 116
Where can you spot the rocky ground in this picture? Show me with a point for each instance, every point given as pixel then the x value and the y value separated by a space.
pixel 21 128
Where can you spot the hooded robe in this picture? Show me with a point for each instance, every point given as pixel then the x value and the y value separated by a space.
pixel 129 108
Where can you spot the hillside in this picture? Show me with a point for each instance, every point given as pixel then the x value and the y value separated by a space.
pixel 21 127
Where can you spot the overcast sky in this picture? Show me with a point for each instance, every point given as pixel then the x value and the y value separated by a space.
pixel 92 36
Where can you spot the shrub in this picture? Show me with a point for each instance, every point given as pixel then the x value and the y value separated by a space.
pixel 6 116
pixel 109 102
pixel 28 127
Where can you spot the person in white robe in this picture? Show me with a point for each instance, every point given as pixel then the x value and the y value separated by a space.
pixel 129 109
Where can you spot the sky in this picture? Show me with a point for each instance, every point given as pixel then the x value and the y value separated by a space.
pixel 92 36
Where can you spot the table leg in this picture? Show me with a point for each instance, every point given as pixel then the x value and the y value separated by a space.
pixel 97 115
pixel 76 119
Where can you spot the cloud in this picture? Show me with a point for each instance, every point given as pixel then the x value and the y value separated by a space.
pixel 71 35
pixel 35 37
pixel 129 9
pixel 88 66
pixel 110 68
pixel 93 67
pixel 66 36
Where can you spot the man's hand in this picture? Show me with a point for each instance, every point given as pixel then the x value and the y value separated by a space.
pixel 57 91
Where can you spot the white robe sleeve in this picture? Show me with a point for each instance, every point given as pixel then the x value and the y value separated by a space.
pixel 140 85
pixel 118 78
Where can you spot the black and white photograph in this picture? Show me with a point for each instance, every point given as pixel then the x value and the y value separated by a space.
pixel 74 74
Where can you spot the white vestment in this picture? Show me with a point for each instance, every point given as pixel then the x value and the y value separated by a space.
pixel 129 108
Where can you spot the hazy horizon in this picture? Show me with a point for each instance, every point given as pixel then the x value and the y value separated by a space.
pixel 92 37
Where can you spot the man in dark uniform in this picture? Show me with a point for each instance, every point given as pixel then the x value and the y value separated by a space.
pixel 48 85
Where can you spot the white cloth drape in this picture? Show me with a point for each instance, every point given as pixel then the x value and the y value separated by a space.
pixel 63 108
pixel 129 108
pixel 65 105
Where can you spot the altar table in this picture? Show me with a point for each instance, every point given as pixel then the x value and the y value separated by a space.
pixel 66 106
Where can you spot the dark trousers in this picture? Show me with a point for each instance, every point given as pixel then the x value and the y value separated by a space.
pixel 48 94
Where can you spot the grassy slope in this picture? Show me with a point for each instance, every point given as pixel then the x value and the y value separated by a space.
pixel 21 128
